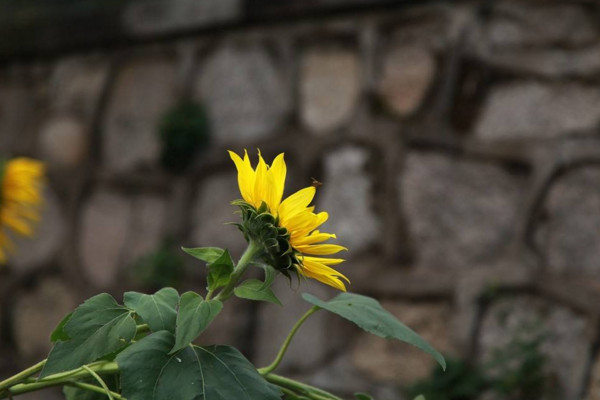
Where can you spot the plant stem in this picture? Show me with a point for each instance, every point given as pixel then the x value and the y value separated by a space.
pixel 21 376
pixel 239 270
pixel 100 381
pixel 307 390
pixel 94 388
pixel 59 379
pixel 271 367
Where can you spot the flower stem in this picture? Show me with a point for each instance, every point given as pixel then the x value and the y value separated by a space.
pixel 251 251
pixel 94 388
pixel 302 388
pixel 21 376
pixel 271 367
pixel 100 381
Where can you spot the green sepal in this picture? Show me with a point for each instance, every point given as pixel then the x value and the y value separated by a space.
pixel 194 316
pixel 158 310
pixel 97 328
pixel 368 314
pixel 253 289
pixel 150 371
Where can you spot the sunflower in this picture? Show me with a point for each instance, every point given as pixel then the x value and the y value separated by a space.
pixel 20 200
pixel 294 223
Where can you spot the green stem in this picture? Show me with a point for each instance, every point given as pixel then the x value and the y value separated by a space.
pixel 306 390
pixel 59 379
pixel 252 250
pixel 21 376
pixel 271 367
pixel 94 388
pixel 100 381
pixel 143 328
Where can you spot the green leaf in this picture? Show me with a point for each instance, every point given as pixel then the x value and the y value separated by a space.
pixel 363 396
pixel 253 289
pixel 98 327
pixel 159 310
pixel 59 332
pixel 206 254
pixel 419 397
pixel 368 314
pixel 219 271
pixel 150 372
pixel 194 316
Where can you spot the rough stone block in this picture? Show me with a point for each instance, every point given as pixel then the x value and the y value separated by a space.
pixel 330 83
pixel 211 212
pixel 569 237
pixel 37 313
pixel 17 117
pixel 244 92
pixel 143 92
pixel 347 196
pixel 64 141
pixel 567 343
pixel 105 225
pixel 531 109
pixel 459 212
pixel 147 226
pixel 408 72
pixel 395 362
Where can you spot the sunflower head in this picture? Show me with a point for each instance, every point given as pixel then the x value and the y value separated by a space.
pixel 285 230
pixel 20 199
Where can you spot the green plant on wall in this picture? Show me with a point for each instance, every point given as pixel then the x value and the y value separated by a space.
pixel 184 132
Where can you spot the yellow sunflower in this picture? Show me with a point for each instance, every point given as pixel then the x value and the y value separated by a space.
pixel 20 200
pixel 262 187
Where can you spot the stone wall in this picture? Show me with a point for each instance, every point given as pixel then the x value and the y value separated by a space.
pixel 459 153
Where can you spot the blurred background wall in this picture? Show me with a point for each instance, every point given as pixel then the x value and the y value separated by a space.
pixel 457 143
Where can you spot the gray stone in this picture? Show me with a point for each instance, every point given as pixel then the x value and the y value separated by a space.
pixel 158 17
pixel 76 84
pixel 105 225
pixel 244 92
pixel 569 238
pixel 515 24
pixel 17 117
pixel 64 141
pixel 459 212
pixel 408 72
pixel 211 212
pixel 395 362
pixel 346 196
pixel 313 342
pixel 232 325
pixel 144 91
pixel 38 312
pixel 147 227
pixel 531 109
pixel 41 249
pixel 548 63
pixel 567 343
pixel 330 83
pixel 593 389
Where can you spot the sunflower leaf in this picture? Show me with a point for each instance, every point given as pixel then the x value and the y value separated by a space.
pixel 253 289
pixel 206 254
pixel 194 316
pixel 59 332
pixel 159 310
pixel 219 271
pixel 368 314
pixel 98 327
pixel 149 371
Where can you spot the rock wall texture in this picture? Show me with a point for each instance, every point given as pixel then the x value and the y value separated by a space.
pixel 458 144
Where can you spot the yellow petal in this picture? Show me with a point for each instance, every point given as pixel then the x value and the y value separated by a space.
pixel 320 249
pixel 261 183
pixel 278 172
pixel 325 261
pixel 246 176
pixel 296 203
pixel 314 237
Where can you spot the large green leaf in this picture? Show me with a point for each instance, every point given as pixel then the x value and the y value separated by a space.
pixel 367 313
pixel 206 254
pixel 253 289
pixel 363 396
pixel 194 316
pixel 149 372
pixel 98 327
pixel 59 332
pixel 159 310
pixel 219 271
